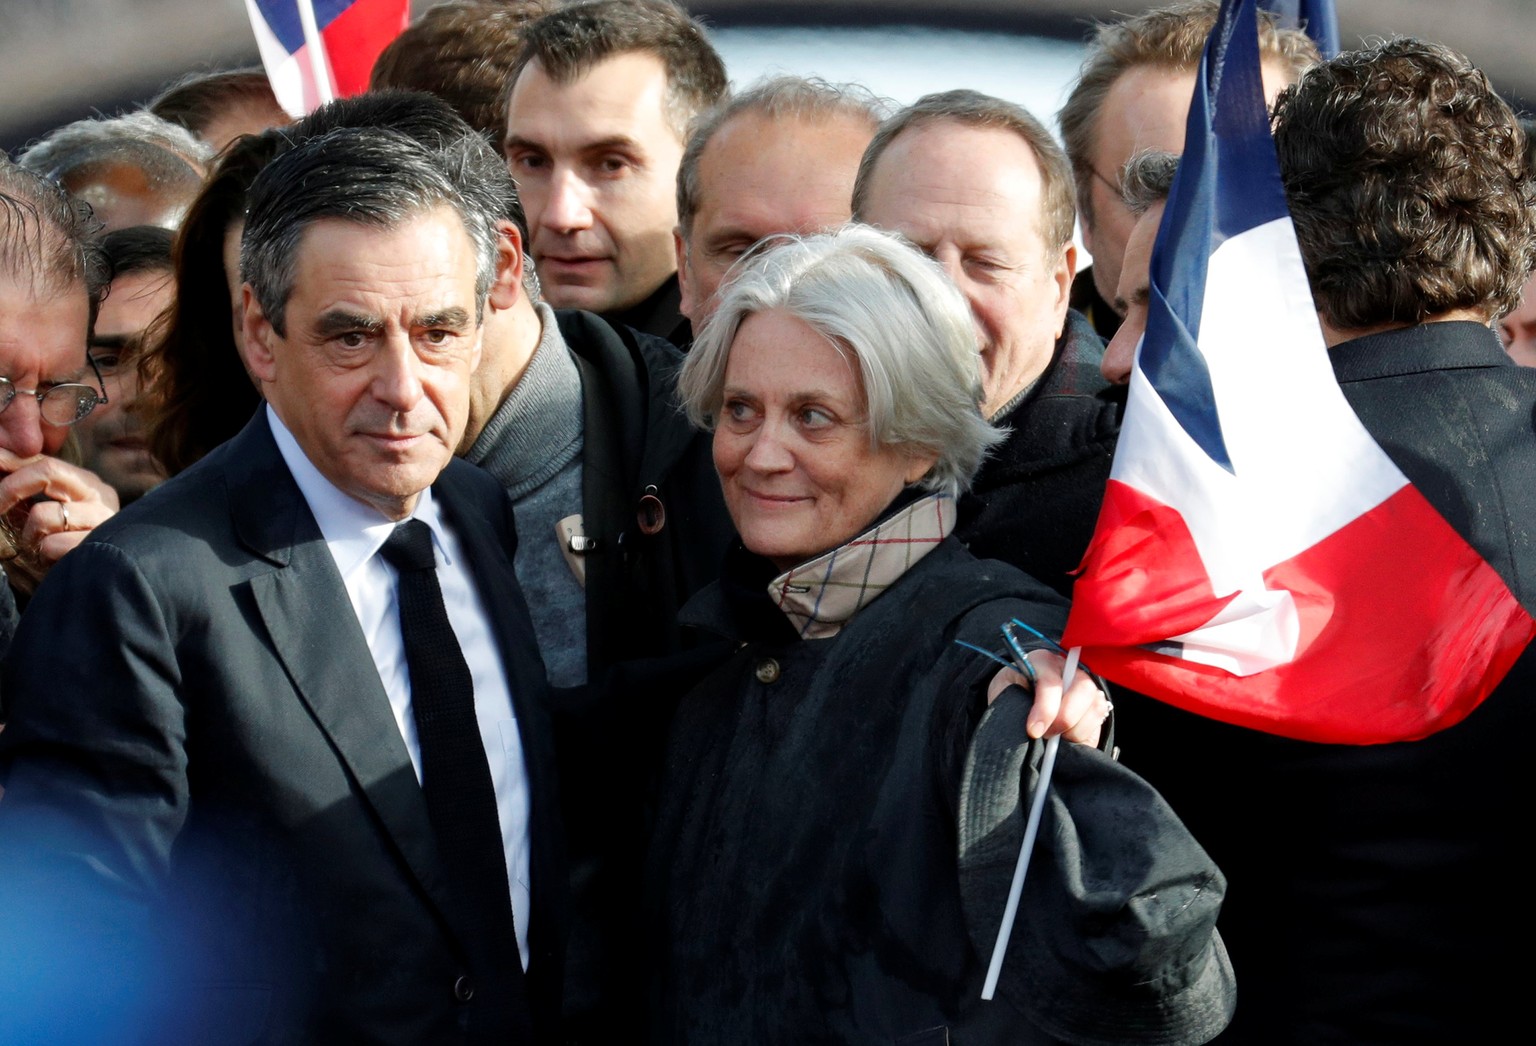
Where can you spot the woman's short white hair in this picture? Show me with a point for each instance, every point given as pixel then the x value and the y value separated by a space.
pixel 871 293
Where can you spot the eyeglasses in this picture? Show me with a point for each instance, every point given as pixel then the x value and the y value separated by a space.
pixel 1114 187
pixel 59 404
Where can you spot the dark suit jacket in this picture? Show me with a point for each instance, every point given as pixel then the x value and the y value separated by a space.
pixel 206 781
pixel 1373 890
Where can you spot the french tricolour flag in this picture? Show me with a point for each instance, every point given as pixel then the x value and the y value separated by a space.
pixel 316 50
pixel 1259 559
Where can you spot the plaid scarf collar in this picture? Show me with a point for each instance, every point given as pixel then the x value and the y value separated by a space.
pixel 821 595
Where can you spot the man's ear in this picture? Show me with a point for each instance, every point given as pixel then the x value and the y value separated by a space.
pixel 257 338
pixel 1061 279
pixel 686 305
pixel 508 282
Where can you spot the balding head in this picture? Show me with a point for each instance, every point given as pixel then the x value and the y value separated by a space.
pixel 777 158
pixel 979 185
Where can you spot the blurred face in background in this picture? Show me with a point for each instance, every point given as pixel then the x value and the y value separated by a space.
pixel 112 439
pixel 1517 330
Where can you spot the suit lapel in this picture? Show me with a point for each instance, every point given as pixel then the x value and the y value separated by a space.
pixel 314 632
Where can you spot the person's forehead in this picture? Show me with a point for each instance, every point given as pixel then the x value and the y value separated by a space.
pixel 42 330
pixel 340 261
pixel 621 96
pixel 1145 108
pixel 953 182
pixel 758 168
pixel 775 350
pixel 134 299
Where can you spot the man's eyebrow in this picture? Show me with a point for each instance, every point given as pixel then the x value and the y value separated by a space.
pixel 453 318
pixel 1140 296
pixel 340 321
pixel 613 141
pixel 109 341
pixel 517 141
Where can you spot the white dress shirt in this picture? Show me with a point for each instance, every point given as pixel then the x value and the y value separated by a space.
pixel 355 532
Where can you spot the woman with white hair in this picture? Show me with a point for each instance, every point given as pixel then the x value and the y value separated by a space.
pixel 804 884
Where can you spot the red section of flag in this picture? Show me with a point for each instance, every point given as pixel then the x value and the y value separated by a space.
pixel 1405 627
pixel 355 38
pixel 1141 580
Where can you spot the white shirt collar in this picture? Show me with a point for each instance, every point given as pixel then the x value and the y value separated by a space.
pixel 355 531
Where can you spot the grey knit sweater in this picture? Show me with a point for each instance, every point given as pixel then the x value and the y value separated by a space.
pixel 532 445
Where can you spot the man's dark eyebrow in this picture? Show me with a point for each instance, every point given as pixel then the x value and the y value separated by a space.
pixel 340 321
pixel 515 141
pixel 617 141
pixel 1140 296
pixel 109 341
pixel 452 318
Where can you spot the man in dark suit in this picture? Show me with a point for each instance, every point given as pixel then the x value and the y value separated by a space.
pixel 1370 898
pixel 277 768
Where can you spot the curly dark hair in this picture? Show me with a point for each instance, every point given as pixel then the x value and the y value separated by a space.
pixel 1406 177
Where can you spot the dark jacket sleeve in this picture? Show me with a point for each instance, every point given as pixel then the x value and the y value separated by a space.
pixel 95 794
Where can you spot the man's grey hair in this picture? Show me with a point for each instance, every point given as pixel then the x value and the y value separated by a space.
pixel 879 299
pixel 371 176
pixel 48 241
pixel 974 109
pixel 808 99
pixel 91 140
pixel 1147 179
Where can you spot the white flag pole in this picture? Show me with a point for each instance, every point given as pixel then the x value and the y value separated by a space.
pixel 1027 847
pixel 314 46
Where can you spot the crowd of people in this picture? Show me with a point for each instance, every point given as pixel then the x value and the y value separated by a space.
pixel 519 555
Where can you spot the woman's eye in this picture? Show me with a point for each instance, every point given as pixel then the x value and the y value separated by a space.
pixel 812 418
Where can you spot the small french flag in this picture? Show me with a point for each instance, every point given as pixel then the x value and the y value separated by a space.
pixel 1259 559
pixel 317 50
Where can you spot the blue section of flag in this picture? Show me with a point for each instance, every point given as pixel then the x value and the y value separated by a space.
pixel 282 18
pixel 1316 16
pixel 1228 183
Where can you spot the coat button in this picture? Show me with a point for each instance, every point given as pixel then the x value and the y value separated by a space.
pixel 463 989
pixel 767 670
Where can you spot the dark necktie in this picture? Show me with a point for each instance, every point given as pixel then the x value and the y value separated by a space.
pixel 461 801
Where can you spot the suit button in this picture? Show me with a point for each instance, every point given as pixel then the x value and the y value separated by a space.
pixel 767 670
pixel 463 989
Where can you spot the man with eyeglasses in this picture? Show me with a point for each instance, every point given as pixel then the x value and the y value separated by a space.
pixel 1133 95
pixel 51 278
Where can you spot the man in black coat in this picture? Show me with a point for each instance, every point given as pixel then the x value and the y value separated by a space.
pixel 267 781
pixel 979 184
pixel 1369 887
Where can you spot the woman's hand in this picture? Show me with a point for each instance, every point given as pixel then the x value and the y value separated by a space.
pixel 1077 716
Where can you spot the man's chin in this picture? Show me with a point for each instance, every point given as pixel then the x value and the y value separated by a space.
pixel 591 298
